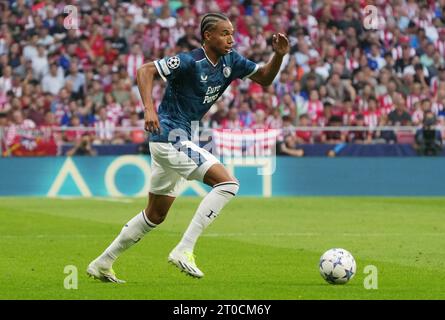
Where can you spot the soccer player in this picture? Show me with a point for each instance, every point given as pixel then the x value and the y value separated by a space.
pixel 195 80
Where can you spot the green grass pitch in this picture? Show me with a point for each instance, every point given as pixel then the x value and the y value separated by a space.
pixel 256 249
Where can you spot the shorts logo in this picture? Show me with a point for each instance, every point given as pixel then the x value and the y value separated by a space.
pixel 227 71
pixel 173 62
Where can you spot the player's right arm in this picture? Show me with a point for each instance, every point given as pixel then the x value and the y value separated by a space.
pixel 145 76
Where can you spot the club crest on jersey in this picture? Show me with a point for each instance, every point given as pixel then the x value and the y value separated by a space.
pixel 227 71
pixel 173 62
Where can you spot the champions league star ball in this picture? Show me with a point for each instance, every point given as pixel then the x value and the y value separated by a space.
pixel 337 266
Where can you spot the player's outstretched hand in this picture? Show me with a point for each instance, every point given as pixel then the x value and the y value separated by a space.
pixel 280 44
pixel 151 122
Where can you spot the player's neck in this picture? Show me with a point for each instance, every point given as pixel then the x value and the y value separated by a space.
pixel 211 56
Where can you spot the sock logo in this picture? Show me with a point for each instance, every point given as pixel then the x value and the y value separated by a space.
pixel 212 213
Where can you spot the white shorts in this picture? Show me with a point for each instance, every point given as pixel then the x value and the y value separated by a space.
pixel 172 163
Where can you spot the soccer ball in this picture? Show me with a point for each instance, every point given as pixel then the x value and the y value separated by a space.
pixel 337 266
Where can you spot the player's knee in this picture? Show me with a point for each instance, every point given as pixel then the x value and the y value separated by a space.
pixel 227 187
pixel 156 216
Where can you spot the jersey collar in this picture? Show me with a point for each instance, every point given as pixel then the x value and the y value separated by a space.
pixel 208 59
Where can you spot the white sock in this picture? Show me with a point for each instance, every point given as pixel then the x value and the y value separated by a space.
pixel 208 210
pixel 131 233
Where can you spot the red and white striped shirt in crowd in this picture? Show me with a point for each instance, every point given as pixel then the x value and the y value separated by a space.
pixel 434 84
pixel 397 52
pixel 351 64
pixel 155 3
pixel 417 116
pixel 139 106
pixel 160 44
pixel 114 112
pixel 274 122
pixel 104 129
pixel 440 46
pixel 371 118
pixel 349 118
pixel 293 4
pixel 361 103
pixel 437 107
pixel 385 103
pixel 314 109
pixel 133 64
pixel 4 104
pixel 311 25
pixel 424 22
pixel 411 100
pixel 386 36
pixel 151 34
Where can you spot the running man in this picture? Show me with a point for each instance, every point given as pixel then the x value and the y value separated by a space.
pixel 195 80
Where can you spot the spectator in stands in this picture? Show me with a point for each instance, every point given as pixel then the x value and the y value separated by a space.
pixel 260 120
pixel 104 128
pixel 360 136
pixel 289 147
pixel 72 135
pixel 232 121
pixel 332 57
pixel 384 136
pixel 6 81
pixel 40 65
pixel 334 136
pixel 82 147
pixel 337 89
pixel 314 106
pixel 245 115
pixel 53 81
pixel 137 134
pixel 428 138
pixel 220 114
pixel 78 82
pixel 3 121
pixel 304 136
pixel 399 116
pixel 189 41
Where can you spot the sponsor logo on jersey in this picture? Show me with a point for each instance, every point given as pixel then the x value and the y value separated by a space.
pixel 211 94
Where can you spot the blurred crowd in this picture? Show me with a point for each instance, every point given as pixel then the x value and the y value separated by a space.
pixel 75 66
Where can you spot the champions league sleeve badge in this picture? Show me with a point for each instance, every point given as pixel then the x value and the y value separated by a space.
pixel 227 71
pixel 173 62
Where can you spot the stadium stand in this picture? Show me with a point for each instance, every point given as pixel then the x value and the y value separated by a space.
pixel 64 74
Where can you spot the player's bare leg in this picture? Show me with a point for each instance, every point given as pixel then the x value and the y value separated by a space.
pixel 225 187
pixel 158 207
pixel 135 229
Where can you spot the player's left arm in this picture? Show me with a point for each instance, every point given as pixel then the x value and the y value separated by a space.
pixel 267 73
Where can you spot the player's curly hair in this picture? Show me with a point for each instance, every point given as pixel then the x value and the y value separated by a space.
pixel 209 21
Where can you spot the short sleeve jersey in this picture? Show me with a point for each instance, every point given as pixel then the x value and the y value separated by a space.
pixel 194 83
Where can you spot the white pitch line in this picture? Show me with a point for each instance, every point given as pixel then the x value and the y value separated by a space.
pixel 108 199
pixel 310 234
pixel 246 234
pixel 122 200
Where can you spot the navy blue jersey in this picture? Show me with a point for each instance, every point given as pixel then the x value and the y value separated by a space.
pixel 194 83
